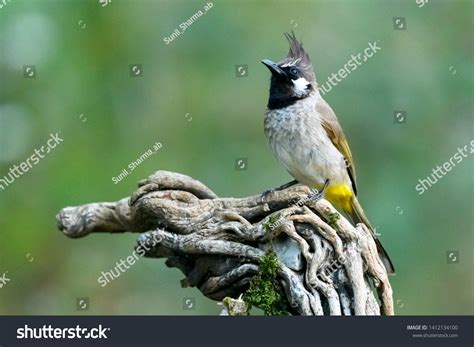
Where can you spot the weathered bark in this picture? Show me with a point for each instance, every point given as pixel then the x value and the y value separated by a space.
pixel 218 242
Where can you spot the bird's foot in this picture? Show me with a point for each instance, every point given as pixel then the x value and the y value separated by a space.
pixel 268 191
pixel 282 187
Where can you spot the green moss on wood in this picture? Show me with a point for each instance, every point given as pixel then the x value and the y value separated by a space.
pixel 265 291
pixel 270 222
pixel 333 218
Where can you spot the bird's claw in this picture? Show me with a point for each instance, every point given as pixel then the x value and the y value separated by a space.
pixel 269 191
pixel 282 187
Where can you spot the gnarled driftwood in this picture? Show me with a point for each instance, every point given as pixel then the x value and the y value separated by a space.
pixel 326 266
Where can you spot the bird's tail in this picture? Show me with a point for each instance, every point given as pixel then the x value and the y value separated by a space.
pixel 358 216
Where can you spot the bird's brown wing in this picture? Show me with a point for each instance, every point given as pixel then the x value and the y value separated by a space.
pixel 335 133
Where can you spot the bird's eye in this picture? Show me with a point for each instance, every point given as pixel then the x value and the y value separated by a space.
pixel 294 72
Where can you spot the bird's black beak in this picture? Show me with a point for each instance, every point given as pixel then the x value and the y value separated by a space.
pixel 274 68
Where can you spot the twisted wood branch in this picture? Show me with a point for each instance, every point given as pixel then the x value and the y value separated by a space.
pixel 326 266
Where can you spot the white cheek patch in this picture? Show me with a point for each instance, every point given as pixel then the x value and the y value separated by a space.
pixel 300 85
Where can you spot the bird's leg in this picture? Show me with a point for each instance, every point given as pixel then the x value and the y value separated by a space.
pixel 319 194
pixel 283 186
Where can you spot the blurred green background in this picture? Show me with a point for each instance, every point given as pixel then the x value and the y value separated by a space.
pixel 191 100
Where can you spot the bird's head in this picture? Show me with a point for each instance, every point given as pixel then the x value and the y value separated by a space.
pixel 292 78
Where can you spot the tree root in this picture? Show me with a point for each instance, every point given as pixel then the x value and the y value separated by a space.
pixel 326 265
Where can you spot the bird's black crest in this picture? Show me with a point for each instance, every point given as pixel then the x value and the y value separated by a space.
pixel 297 54
pixel 296 50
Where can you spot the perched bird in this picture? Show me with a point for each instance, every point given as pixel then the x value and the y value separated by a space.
pixel 307 139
